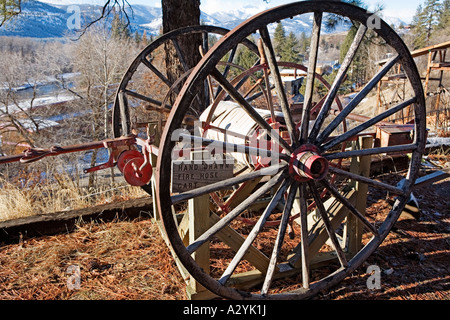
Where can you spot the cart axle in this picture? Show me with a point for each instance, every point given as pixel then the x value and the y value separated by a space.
pixel 307 164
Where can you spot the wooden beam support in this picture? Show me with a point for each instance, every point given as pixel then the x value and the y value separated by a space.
pixel 359 166
pixel 317 233
pixel 198 212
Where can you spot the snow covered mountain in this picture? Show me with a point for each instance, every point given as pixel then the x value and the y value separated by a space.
pixel 37 20
pixel 55 19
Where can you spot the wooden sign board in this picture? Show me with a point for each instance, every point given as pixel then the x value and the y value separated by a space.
pixel 191 174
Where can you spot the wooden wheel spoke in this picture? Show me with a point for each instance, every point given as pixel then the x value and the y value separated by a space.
pixel 241 82
pixel 222 185
pixel 257 94
pixel 235 212
pixel 367 124
pixel 228 87
pixel 226 69
pixel 223 147
pixel 309 90
pixel 205 41
pixel 145 98
pixel 163 78
pixel 356 100
pixel 327 223
pixel 349 206
pixel 280 238
pixel 337 83
pixel 180 54
pixel 368 181
pixel 276 76
pixel 368 152
pixel 230 60
pixel 304 236
pixel 254 233
pixel 124 113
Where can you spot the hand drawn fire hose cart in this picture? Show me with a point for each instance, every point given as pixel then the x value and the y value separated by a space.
pixel 258 193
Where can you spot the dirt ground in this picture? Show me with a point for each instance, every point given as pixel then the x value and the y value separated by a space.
pixel 129 260
pixel 414 259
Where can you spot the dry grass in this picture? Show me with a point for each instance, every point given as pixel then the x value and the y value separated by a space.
pixel 119 260
pixel 58 194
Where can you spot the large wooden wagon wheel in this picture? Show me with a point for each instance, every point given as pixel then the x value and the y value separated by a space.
pixel 298 173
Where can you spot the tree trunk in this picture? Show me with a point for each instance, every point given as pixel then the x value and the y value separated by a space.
pixel 178 14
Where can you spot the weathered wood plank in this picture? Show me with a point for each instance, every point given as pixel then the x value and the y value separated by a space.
pixel 318 234
pixel 65 221
pixel 189 175
pixel 198 212
pixel 360 166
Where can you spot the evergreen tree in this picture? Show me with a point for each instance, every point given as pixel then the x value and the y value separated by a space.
pixel 290 52
pixel 279 39
pixel 416 23
pixel 347 43
pixel 137 38
pixel 444 16
pixel 174 18
pixel 145 39
pixel 286 47
pixel 432 11
pixel 425 22
pixel 119 29
pixel 245 57
pixel 304 43
pixel 358 71
pixel 415 19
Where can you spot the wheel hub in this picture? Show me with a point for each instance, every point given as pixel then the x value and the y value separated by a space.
pixel 307 164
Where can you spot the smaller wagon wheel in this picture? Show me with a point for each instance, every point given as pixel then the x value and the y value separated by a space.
pixel 145 85
pixel 296 174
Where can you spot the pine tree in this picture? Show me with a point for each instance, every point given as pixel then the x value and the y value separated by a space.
pixel 432 9
pixel 358 72
pixel 174 18
pixel 119 29
pixel 304 43
pixel 279 38
pixel 290 52
pixel 347 43
pixel 417 27
pixel 145 38
pixel 425 22
pixel 245 57
pixel 444 16
pixel 137 38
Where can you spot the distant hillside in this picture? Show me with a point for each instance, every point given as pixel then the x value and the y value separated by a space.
pixel 37 20
pixel 41 20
